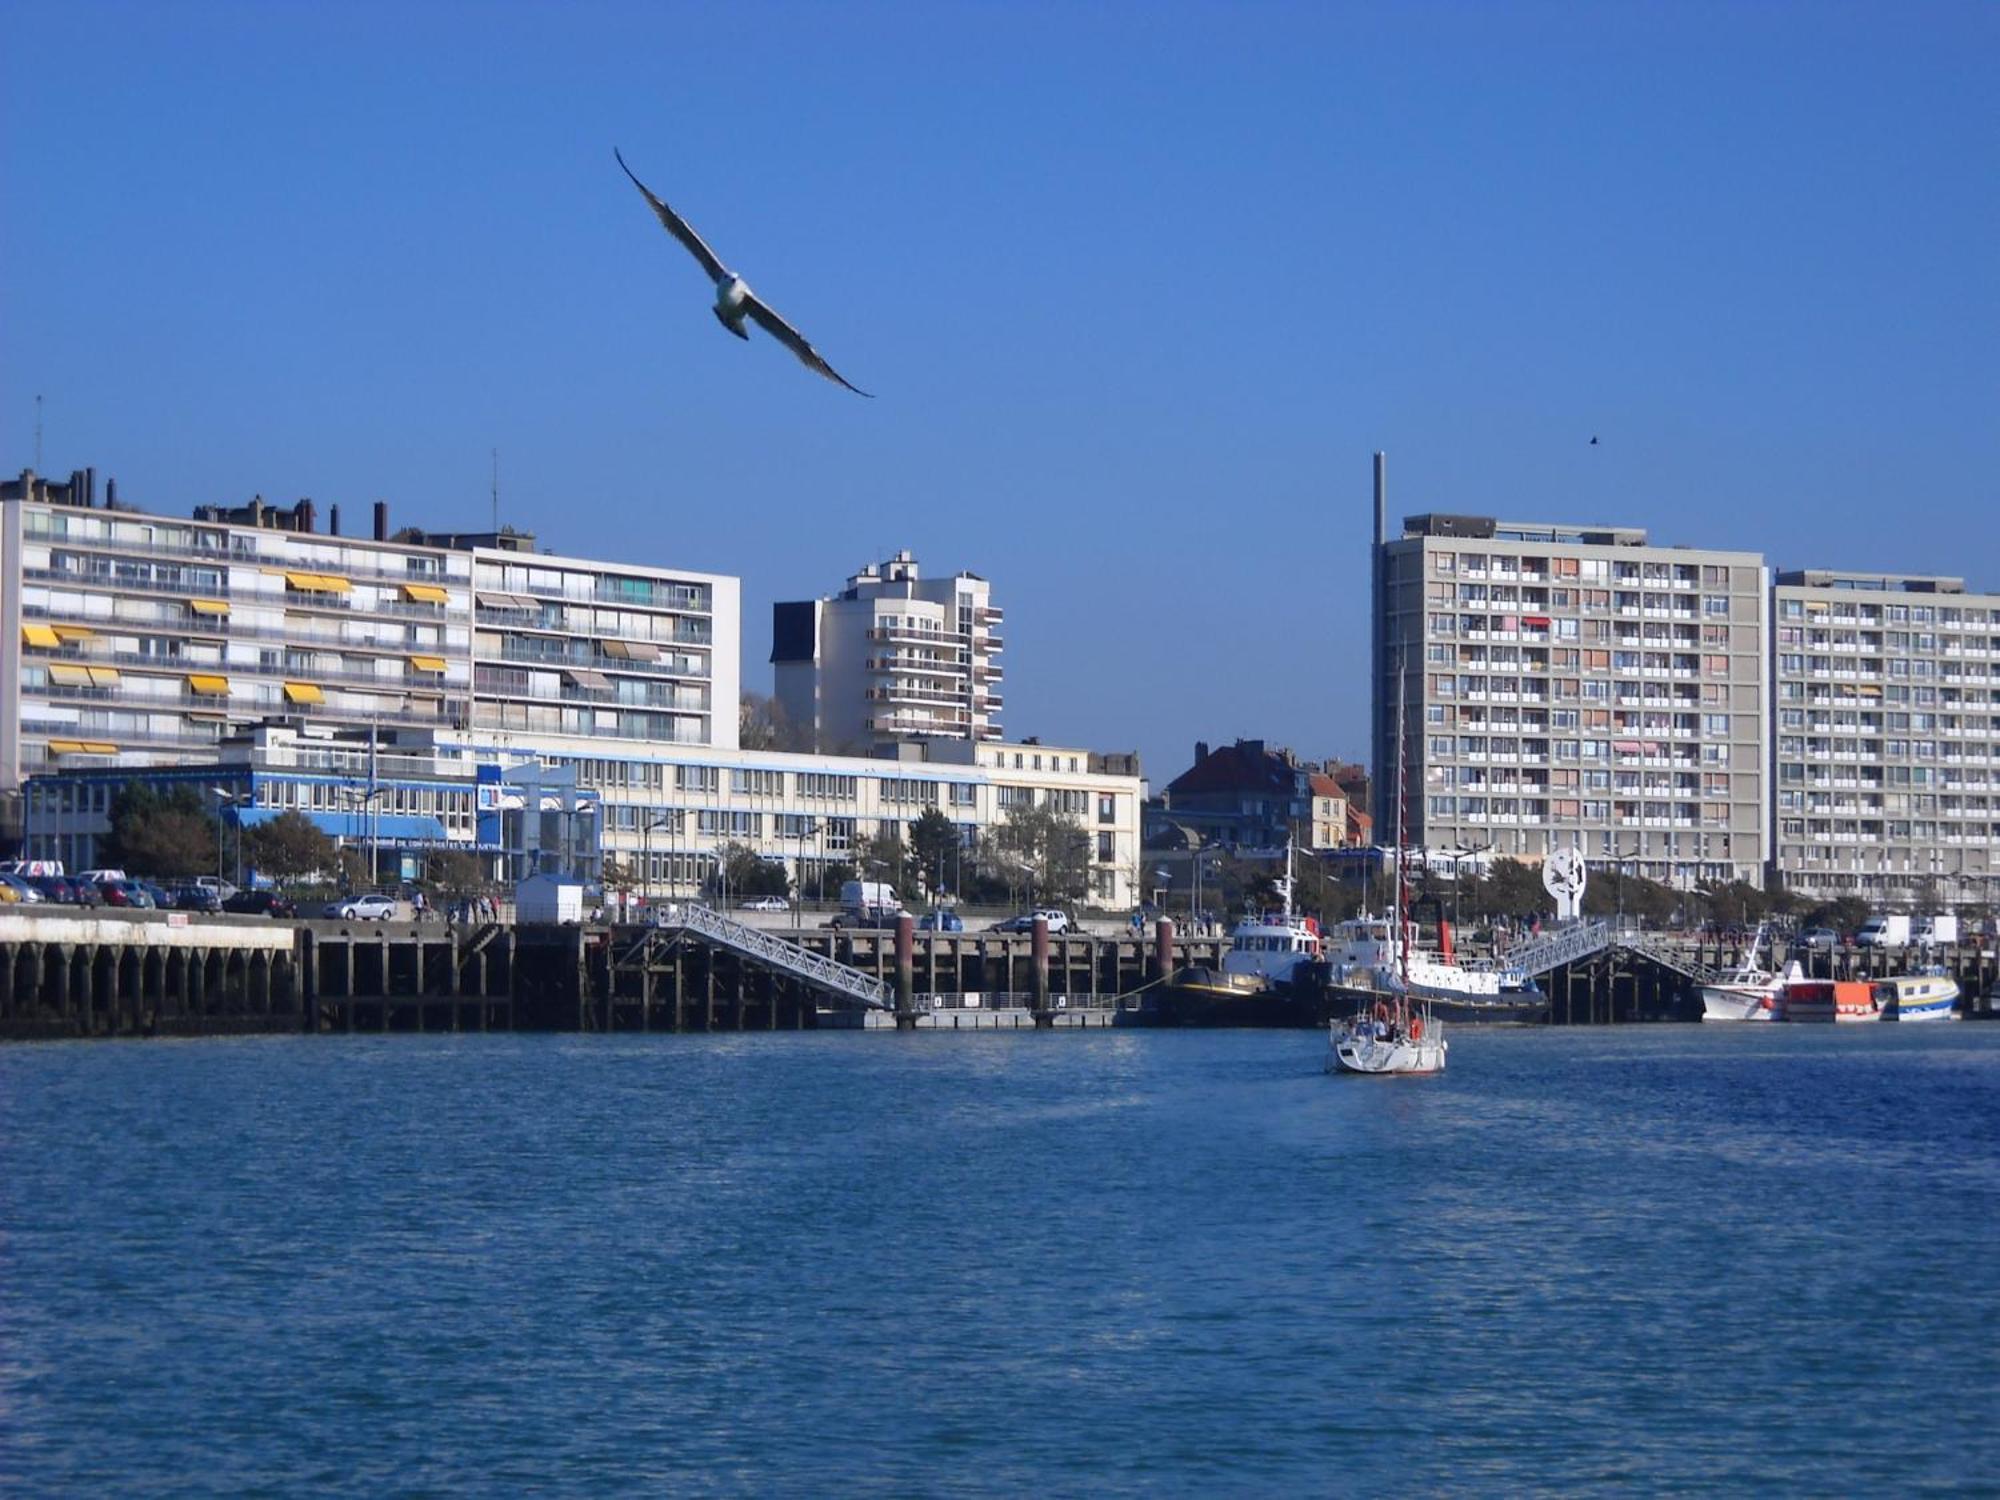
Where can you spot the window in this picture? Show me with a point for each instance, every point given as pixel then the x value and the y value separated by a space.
pixel 698 778
pixel 1107 807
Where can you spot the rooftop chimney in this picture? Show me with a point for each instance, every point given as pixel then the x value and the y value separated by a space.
pixel 381 520
pixel 302 516
pixel 333 519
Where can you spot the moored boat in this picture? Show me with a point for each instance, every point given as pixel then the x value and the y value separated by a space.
pixel 1930 995
pixel 1750 992
pixel 1837 1000
pixel 1369 957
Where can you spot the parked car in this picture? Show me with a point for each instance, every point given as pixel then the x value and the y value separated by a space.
pixel 940 921
pixel 66 891
pixel 260 904
pixel 373 907
pixel 126 893
pixel 161 896
pixel 23 888
pixel 764 903
pixel 194 898
pixel 1817 940
pixel 223 889
pixel 1058 921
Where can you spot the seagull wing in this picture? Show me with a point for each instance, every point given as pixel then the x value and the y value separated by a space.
pixel 679 228
pixel 793 340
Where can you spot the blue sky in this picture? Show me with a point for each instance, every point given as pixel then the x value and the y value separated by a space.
pixel 1140 289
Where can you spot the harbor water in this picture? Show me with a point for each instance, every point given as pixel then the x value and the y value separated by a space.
pixel 1652 1259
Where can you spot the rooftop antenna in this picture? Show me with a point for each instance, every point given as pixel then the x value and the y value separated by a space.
pixel 496 491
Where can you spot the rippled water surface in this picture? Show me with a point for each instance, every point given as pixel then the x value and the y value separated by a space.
pixel 1654 1259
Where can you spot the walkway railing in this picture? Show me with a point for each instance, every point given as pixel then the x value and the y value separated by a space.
pixel 826 973
pixel 1670 955
pixel 1563 946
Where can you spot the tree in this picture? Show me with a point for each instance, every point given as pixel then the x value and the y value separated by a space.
pixel 457 872
pixel 290 846
pixel 763 724
pixel 1050 851
pixel 740 871
pixel 1511 888
pixel 935 848
pixel 886 858
pixel 161 834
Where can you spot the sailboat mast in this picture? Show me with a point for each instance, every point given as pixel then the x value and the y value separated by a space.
pixel 1402 814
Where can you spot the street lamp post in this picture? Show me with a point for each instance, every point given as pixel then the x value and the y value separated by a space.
pixel 235 801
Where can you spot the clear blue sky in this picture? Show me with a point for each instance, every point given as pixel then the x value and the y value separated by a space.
pixel 1140 288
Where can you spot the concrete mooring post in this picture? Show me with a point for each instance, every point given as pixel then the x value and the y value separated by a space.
pixel 906 973
pixel 1038 974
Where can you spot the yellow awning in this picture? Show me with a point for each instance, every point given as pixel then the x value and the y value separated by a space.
pixel 208 683
pixel 318 583
pixel 103 676
pixel 209 606
pixel 38 635
pixel 632 650
pixel 425 593
pixel 428 663
pixel 98 747
pixel 74 632
pixel 69 676
pixel 304 692
pixel 66 747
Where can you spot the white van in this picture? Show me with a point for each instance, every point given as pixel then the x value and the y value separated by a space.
pixel 98 877
pixel 1938 931
pixel 1891 930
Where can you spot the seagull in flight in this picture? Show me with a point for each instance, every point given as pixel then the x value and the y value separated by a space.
pixel 734 301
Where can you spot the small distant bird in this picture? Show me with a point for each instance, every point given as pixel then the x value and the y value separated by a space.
pixel 1593 440
pixel 734 301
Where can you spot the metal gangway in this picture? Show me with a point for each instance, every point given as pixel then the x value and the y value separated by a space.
pixel 825 973
pixel 1565 945
pixel 1670 955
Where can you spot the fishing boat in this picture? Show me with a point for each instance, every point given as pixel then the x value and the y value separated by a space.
pixel 1394 1033
pixel 1750 992
pixel 1928 995
pixel 1367 955
pixel 1837 1000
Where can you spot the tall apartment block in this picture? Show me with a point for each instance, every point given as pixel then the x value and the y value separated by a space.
pixel 1572 685
pixel 892 656
pixel 146 640
pixel 1887 742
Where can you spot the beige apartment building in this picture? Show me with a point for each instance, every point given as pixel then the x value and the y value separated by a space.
pixel 1572 685
pixel 1887 736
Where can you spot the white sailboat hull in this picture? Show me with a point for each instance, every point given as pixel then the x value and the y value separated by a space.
pixel 1372 1047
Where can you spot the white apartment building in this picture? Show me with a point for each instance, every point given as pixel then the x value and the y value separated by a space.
pixel 1886 752
pixel 134 639
pixel 892 656
pixel 1572 685
pixel 459 692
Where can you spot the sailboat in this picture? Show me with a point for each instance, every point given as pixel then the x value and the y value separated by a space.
pixel 1396 1032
